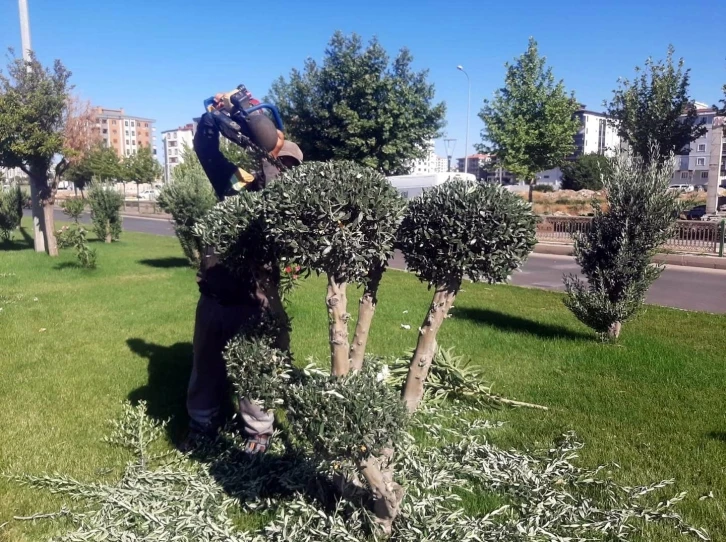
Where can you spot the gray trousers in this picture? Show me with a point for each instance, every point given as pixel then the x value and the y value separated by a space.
pixel 208 389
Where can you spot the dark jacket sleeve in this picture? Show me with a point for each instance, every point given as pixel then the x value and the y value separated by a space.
pixel 219 170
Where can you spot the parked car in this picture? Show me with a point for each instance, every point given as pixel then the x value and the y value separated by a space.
pixel 149 195
pixel 697 213
pixel 681 187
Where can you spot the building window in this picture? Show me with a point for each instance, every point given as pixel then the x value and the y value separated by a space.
pixel 545 176
pixel 133 132
pixel 704 175
pixel 104 121
pixel 128 152
pixel 127 141
pixel 172 160
pixel 105 130
pixel 126 123
pixel 115 141
pixel 127 132
pixel 601 136
pixel 132 123
pixel 684 175
pixel 701 147
pixel 113 122
pixel 700 161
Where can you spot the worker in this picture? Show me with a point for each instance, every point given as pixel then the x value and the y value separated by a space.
pixel 228 301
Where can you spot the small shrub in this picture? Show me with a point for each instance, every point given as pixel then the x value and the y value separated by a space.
pixel 75 237
pixel 543 188
pixel 188 198
pixel 73 208
pixel 11 211
pixel 106 206
pixel 615 255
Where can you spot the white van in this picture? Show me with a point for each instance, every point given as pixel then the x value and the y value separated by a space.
pixel 681 187
pixel 410 186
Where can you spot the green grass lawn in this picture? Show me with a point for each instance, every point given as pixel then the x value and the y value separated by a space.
pixel 75 343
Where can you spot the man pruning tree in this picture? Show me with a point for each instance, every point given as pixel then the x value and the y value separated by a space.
pixel 229 301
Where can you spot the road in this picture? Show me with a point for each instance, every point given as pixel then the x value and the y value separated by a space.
pixel 687 288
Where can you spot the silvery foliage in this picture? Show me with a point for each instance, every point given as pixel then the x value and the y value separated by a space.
pixel 235 229
pixel 334 217
pixel 350 417
pixel 462 229
pixel 616 254
pixel 257 369
pixel 166 496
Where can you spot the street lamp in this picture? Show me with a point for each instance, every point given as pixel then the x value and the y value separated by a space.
pixel 24 29
pixel 468 109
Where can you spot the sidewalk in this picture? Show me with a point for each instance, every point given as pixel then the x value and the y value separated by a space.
pixel 688 260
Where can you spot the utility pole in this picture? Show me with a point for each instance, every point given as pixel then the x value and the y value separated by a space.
pixel 449 145
pixel 24 29
pixel 468 113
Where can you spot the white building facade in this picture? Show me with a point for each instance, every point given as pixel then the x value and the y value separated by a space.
pixel 697 167
pixel 596 134
pixel 174 143
pixel 429 164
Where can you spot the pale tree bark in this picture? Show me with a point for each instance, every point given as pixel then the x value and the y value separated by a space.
pixel 423 356
pixel 338 317
pixel 366 310
pixel 38 219
pixel 387 494
pixel 614 331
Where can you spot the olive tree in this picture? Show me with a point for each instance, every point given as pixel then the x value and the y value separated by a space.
pixel 454 231
pixel 616 254
pixel 338 219
pixel 106 205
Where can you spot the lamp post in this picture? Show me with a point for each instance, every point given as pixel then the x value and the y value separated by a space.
pixel 450 144
pixel 468 110
pixel 24 28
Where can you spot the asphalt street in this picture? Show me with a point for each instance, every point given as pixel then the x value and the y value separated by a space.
pixel 687 288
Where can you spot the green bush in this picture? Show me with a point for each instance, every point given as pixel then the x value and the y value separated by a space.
pixel 188 198
pixel 106 206
pixel 543 188
pixel 11 211
pixel 74 236
pixel 73 208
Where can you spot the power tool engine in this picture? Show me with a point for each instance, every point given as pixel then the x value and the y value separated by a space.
pixel 242 119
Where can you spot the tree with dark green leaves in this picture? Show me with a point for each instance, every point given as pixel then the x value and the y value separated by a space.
pixel 359 105
pixel 80 174
pixel 142 167
pixel 105 203
pixel 585 172
pixel 33 107
pixel 104 164
pixel 654 112
pixel 11 211
pixel 530 123
pixel 616 254
pixel 459 229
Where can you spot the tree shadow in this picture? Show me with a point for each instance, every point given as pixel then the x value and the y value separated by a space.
pixel 515 324
pixel 166 389
pixel 166 263
pixel 67 265
pixel 18 244
pixel 717 435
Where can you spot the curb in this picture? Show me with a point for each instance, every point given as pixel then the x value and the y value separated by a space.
pixel 685 260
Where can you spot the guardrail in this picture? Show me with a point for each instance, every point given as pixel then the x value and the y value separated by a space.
pixel 688 236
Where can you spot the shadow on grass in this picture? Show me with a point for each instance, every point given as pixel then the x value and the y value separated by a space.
pixel 166 389
pixel 13 244
pixel 515 324
pixel 717 435
pixel 166 263
pixel 67 265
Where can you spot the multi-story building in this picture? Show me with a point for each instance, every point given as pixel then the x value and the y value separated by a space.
pixel 174 142
pixel 706 156
pixel 477 164
pixel 596 134
pixel 431 163
pixel 125 133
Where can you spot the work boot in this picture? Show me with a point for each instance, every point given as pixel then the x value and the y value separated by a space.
pixel 197 436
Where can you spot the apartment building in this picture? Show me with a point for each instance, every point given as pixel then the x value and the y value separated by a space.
pixel 476 164
pixel 125 133
pixel 596 134
pixel 706 156
pixel 174 142
pixel 431 163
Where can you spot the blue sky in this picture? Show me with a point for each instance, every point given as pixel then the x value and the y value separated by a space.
pixel 161 58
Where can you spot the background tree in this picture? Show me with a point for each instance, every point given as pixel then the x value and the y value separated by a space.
pixel 359 106
pixel 11 211
pixel 104 164
pixel 653 112
pixel 585 172
pixel 80 174
pixel 530 124
pixel 143 167
pixel 33 110
pixel 79 136
pixel 188 198
pixel 455 230
pixel 615 255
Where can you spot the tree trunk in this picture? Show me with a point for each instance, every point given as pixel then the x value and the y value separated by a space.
pixel 387 494
pixel 531 191
pixel 423 356
pixel 49 222
pixel 366 310
pixel 38 219
pixel 109 237
pixel 338 317
pixel 614 331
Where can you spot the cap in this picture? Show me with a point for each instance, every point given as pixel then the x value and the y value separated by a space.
pixel 292 150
